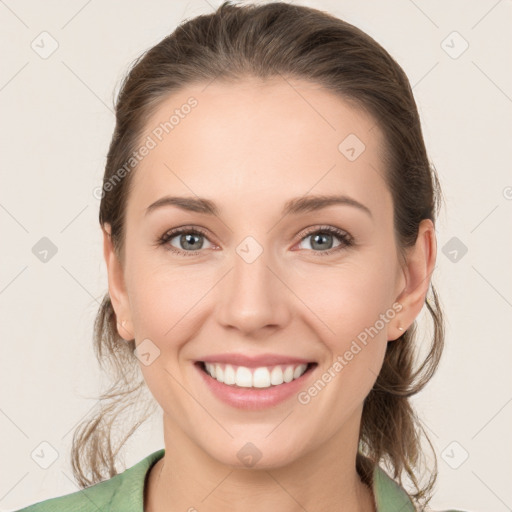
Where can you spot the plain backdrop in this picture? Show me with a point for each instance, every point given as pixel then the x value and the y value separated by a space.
pixel 57 121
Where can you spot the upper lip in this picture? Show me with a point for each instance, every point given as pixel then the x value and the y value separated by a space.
pixel 254 361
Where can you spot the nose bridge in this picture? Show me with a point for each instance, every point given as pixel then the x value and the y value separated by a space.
pixel 253 297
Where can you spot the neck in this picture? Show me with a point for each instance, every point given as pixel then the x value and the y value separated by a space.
pixel 323 480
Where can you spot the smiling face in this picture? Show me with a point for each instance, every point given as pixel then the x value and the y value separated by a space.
pixel 262 274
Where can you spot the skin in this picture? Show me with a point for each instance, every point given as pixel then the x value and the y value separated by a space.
pixel 250 147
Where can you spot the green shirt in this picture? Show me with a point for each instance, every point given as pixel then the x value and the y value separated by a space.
pixel 125 493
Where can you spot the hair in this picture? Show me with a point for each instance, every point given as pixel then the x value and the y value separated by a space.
pixel 263 41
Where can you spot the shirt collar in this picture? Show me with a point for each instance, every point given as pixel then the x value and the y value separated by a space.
pixel 389 496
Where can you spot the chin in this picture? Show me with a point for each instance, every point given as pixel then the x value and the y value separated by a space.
pixel 255 452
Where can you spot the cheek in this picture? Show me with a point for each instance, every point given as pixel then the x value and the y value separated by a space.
pixel 352 311
pixel 165 303
pixel 347 299
pixel 350 305
pixel 159 292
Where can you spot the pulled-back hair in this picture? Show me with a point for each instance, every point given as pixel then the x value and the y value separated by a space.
pixel 266 41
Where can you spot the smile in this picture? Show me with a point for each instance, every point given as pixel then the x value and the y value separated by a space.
pixel 255 388
pixel 261 377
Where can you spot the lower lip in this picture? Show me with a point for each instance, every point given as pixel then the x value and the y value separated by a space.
pixel 254 398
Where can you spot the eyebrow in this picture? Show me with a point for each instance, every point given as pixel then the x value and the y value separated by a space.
pixel 295 206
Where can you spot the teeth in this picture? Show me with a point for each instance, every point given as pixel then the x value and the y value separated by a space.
pixel 243 377
pixel 229 374
pixel 262 377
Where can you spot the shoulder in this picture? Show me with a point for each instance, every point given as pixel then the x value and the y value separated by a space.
pixel 390 496
pixel 123 492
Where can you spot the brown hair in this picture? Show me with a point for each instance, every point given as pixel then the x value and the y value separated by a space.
pixel 264 41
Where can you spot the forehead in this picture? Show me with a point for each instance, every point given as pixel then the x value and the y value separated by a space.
pixel 260 140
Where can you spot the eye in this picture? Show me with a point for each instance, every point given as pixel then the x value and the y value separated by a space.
pixel 189 241
pixel 322 238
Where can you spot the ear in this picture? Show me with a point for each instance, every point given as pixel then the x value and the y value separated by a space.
pixel 420 263
pixel 116 287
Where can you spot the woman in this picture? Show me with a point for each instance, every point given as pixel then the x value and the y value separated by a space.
pixel 245 141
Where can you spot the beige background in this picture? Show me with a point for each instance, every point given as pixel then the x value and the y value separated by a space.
pixel 57 121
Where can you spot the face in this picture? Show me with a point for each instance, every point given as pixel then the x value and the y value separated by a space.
pixel 264 274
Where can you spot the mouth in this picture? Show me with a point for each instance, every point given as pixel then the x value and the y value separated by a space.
pixel 262 377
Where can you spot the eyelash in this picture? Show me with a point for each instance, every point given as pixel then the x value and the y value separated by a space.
pixel 345 239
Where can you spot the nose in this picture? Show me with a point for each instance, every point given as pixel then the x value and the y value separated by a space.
pixel 253 296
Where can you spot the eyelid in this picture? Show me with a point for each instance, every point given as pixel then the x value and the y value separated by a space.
pixel 179 230
pixel 323 229
pixel 346 239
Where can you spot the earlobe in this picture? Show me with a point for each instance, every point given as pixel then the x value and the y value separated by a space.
pixel 400 332
pixel 123 328
pixel 116 286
